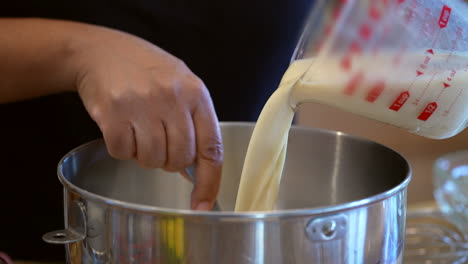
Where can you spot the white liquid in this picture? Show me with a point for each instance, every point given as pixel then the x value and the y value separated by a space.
pixel 324 83
pixel 267 148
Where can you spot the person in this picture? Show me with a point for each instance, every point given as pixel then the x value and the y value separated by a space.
pixel 151 77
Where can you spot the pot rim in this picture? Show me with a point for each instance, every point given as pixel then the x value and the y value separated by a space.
pixel 402 186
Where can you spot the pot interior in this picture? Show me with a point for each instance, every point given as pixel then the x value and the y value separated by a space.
pixel 323 168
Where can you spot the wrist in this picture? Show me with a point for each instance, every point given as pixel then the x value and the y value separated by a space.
pixel 74 50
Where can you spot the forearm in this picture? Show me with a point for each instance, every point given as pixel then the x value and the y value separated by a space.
pixel 36 57
pixel 148 104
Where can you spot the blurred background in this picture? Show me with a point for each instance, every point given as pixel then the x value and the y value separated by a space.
pixel 421 152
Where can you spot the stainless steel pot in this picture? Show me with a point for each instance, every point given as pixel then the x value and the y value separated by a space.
pixel 342 200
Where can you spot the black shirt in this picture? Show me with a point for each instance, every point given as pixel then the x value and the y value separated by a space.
pixel 239 48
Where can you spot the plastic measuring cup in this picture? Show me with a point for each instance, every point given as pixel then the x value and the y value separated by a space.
pixel 402 62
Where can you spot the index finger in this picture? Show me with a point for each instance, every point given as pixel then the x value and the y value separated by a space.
pixel 209 156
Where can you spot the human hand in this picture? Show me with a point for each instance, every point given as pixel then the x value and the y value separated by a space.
pixel 150 107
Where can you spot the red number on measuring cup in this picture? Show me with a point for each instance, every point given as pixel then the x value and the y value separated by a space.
pixel 444 16
pixel 428 111
pixel 400 101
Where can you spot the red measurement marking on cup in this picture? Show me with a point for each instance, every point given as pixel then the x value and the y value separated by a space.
pixel 374 11
pixel 334 16
pixel 375 91
pixel 428 111
pixel 353 83
pixel 404 96
pixel 449 109
pixel 365 31
pixel 450 78
pixel 442 22
pixel 457 97
pixel 424 65
pixel 444 16
pixel 417 100
pixel 376 23
pixel 420 71
pixel 446 85
pixel 355 48
pixel 400 101
pixel 451 75
pixel 346 61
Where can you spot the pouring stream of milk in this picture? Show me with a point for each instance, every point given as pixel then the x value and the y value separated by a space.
pixel 266 153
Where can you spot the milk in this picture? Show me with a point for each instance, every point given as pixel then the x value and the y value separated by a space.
pixel 449 118
pixel 322 81
pixel 266 153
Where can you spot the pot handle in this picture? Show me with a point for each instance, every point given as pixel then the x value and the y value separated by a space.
pixel 64 236
pixel 76 230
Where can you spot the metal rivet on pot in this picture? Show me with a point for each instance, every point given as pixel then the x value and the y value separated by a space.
pixel 326 228
pixel 329 228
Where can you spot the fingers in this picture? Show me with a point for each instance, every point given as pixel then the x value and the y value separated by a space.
pixel 209 151
pixel 180 141
pixel 150 143
pixel 170 123
pixel 155 141
pixel 120 140
pixel 168 145
pixel 186 175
